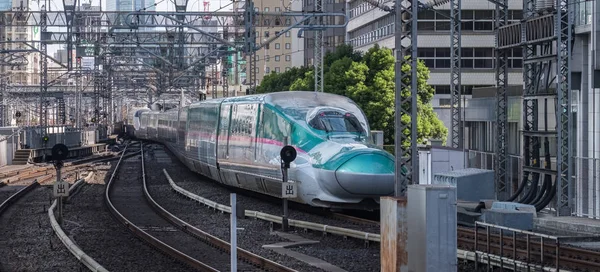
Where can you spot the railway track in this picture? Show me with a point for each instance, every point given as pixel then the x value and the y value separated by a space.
pixel 132 205
pixel 528 249
pixel 44 171
pixel 12 198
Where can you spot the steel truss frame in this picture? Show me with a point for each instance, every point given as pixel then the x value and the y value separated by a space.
pixel 501 151
pixel 537 34
pixel 185 53
pixel 455 79
pixel 407 163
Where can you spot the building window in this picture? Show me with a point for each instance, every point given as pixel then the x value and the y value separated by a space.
pixel 277 9
pixel 442 89
pixel 277 46
pixel 277 70
pixel 471 20
pixel 445 89
pixel 471 58
pixel 288 57
pixel 256 57
pixel 267 9
pixel 277 58
pixel 267 58
pixel 484 20
pixel 288 46
pixel 288 34
pixel 287 69
pixel 267 70
pixel 445 102
pixel 288 22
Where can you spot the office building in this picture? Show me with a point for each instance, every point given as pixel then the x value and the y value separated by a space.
pixel 369 26
pixel 277 56
pixel 332 37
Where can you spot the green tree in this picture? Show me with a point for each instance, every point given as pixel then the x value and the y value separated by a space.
pixel 369 80
pixel 304 83
pixel 342 51
pixel 277 82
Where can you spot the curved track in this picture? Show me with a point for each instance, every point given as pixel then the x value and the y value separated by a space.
pixel 128 200
pixel 8 197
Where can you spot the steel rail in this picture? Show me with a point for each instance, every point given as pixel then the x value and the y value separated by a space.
pixel 16 196
pixel 47 170
pixel 170 251
pixel 367 236
pixel 569 257
pixel 85 259
pixel 210 239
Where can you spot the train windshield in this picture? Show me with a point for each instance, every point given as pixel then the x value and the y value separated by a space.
pixel 303 108
pixel 335 121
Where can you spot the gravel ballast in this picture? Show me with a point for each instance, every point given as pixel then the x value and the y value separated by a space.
pixel 347 254
pixel 27 241
pixel 107 241
pixel 8 191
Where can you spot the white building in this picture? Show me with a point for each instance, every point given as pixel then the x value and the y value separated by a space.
pixel 586 106
pixel 25 70
pixel 369 26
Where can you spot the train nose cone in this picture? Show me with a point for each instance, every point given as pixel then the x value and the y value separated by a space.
pixel 367 174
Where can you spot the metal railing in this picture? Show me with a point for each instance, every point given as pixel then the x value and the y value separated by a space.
pixel 366 236
pixel 504 256
pixel 372 36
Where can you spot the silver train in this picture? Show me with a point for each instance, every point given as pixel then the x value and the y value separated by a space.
pixel 236 141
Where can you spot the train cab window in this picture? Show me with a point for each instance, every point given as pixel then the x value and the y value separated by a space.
pixel 334 121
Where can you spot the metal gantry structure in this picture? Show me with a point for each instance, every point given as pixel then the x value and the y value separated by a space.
pixel 407 163
pixel 456 127
pixel 501 161
pixel 137 61
pixel 545 36
pixel 319 50
pixel 137 57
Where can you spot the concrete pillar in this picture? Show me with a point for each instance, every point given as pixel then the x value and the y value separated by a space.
pixel 394 234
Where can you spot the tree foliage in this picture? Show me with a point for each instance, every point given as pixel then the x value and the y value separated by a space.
pixel 275 82
pixel 369 80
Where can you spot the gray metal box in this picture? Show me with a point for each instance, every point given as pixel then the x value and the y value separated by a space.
pixel 512 219
pixel 431 228
pixel 471 184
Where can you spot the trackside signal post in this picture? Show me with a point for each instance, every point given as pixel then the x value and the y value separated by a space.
pixel 61 188
pixel 288 189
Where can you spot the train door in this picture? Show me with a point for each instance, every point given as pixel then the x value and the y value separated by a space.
pixel 273 130
pixel 224 126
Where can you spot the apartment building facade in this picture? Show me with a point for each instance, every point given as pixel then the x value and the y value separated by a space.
pixel 369 26
pixel 332 37
pixel 281 54
pixel 25 65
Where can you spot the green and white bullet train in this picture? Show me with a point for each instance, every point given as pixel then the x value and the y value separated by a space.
pixel 236 141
